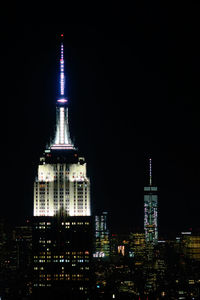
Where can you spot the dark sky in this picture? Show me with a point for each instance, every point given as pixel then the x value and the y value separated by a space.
pixel 133 88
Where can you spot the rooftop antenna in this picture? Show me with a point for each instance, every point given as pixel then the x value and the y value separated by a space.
pixel 150 172
pixel 62 75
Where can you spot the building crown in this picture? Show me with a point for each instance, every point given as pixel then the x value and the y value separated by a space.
pixel 62 139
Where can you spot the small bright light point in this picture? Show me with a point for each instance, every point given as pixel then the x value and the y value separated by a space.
pixel 62 35
pixel 62 100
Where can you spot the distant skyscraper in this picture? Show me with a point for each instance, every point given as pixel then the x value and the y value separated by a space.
pixel 102 242
pixel 137 247
pixel 62 183
pixel 150 210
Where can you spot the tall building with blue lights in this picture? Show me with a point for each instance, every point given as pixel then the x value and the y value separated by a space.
pixel 62 223
pixel 62 183
pixel 151 210
pixel 102 241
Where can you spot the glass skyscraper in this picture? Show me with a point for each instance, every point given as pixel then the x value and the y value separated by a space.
pixel 150 210
pixel 102 245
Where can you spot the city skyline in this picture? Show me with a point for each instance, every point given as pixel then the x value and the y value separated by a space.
pixel 101 102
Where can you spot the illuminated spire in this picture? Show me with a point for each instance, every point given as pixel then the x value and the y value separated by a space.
pixel 150 172
pixel 62 138
pixel 62 66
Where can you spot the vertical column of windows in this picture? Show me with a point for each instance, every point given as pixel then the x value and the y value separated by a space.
pixel 55 189
pixel 75 197
pixel 80 197
pixel 36 207
pixel 42 205
pixel 86 198
pixel 58 187
pixel 61 186
pixel 47 198
pixel 66 188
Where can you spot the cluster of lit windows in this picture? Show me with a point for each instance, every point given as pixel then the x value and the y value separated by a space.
pixel 74 254
pixel 43 225
pixel 61 276
pixel 41 285
pixel 41 192
pixel 67 224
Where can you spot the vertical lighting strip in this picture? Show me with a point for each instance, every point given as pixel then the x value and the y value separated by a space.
pixel 62 77
pixel 62 125
pixel 150 173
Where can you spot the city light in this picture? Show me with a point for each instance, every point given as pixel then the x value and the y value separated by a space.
pixel 66 250
pixel 62 77
pixel 62 100
pixel 62 125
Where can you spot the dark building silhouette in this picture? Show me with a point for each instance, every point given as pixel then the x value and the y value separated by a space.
pixel 62 251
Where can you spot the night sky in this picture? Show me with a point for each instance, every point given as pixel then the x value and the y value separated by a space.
pixel 134 89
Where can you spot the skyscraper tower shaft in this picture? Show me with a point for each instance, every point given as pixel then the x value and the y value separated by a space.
pixel 150 210
pixel 62 223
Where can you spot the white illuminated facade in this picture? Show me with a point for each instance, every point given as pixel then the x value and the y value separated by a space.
pixel 62 138
pixel 62 185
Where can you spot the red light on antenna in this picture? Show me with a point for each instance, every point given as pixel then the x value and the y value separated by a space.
pixel 62 35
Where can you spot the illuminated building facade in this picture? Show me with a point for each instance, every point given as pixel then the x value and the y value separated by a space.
pixel 119 245
pixel 150 210
pixel 190 244
pixel 62 222
pixel 102 243
pixel 62 183
pixel 137 247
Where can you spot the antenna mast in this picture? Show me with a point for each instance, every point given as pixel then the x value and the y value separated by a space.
pixel 150 172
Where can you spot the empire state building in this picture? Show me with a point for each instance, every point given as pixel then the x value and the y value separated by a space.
pixel 62 223
pixel 62 185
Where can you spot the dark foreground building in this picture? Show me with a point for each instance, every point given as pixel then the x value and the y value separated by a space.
pixel 62 252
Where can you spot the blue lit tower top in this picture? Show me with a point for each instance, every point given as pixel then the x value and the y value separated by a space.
pixel 62 186
pixel 62 73
pixel 62 139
